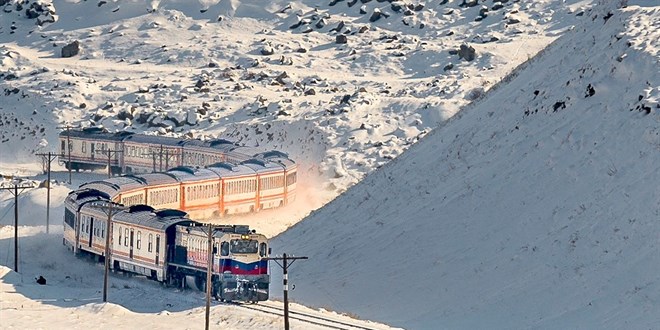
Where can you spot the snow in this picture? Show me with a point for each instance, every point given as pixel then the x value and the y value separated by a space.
pixel 517 190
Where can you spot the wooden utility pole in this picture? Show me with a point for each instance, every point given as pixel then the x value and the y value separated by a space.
pixel 68 145
pixel 209 275
pixel 48 158
pixel 15 192
pixel 110 209
pixel 285 281
pixel 109 153
pixel 163 155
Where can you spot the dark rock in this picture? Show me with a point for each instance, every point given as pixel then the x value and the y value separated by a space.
pixel 351 3
pixel 101 3
pixel 418 7
pixel 125 114
pixel 341 39
pixel 376 15
pixel 301 50
pixel 396 7
pixel 339 27
pixel 334 2
pixel 41 280
pixel 497 6
pixel 590 91
pixel 363 10
pixel 310 91
pixel 3 2
pixel 467 52
pixel 448 67
pixel 31 13
pixel 513 20
pixel 363 29
pixel 82 105
pixel 483 12
pixel 321 23
pixel 365 1
pixel 345 99
pixel 71 49
pixel 469 3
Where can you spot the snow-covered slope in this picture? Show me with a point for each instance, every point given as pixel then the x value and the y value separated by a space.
pixel 539 207
pixel 262 73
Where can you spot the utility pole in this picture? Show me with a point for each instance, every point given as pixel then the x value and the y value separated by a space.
pixel 109 154
pixel 285 281
pixel 209 271
pixel 110 210
pixel 15 192
pixel 163 154
pixel 68 145
pixel 48 158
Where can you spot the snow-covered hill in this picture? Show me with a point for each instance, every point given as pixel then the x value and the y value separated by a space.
pixel 539 207
pixel 272 75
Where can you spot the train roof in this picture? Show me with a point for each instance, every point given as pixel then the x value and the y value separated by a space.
pixel 151 179
pixel 261 166
pixel 219 230
pixel 154 139
pixel 227 170
pixel 84 196
pixel 188 173
pixel 115 184
pixel 147 216
pixel 97 133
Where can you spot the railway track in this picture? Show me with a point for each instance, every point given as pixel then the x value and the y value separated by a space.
pixel 305 317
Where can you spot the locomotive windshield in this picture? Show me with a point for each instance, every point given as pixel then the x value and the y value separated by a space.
pixel 244 246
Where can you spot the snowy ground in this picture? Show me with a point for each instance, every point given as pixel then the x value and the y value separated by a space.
pixel 533 208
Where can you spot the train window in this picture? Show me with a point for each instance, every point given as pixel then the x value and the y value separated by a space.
pixel 84 147
pixel 157 243
pixel 150 244
pixel 119 235
pixel 126 237
pixel 63 146
pixel 138 240
pixel 224 249
pixel 262 249
pixel 244 246
pixel 103 230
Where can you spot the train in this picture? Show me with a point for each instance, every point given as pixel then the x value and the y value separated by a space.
pixel 202 178
pixel 166 245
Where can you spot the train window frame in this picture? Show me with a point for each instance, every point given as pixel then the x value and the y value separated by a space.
pixel 224 249
pixel 263 248
pixel 150 244
pixel 119 236
pixel 84 147
pixel 126 237
pixel 139 239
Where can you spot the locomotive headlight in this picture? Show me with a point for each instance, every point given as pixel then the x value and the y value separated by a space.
pixel 245 236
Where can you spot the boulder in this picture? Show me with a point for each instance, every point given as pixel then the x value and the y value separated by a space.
pixel 467 52
pixel 341 39
pixel 71 49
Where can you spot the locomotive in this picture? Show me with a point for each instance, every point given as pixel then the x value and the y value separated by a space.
pixel 167 246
